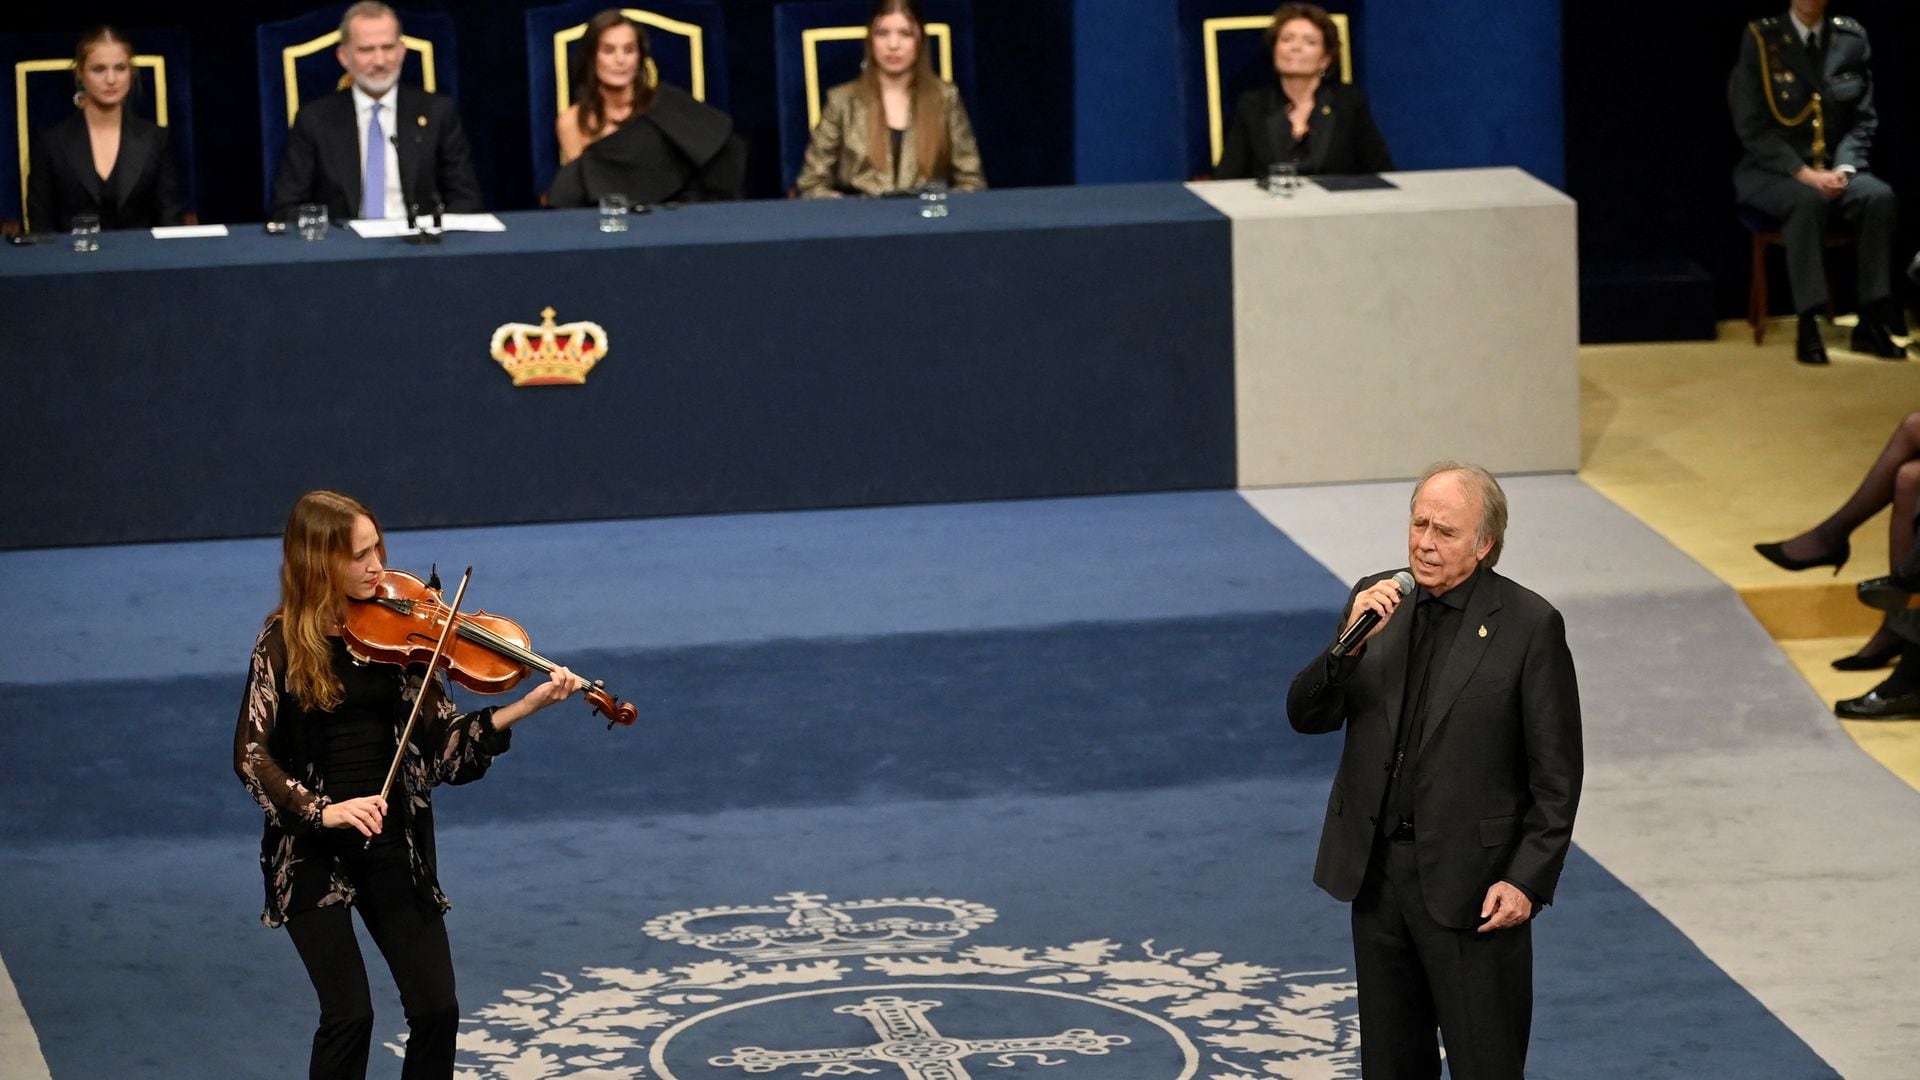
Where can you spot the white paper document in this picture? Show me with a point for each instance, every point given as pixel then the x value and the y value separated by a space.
pixel 375 228
pixel 187 232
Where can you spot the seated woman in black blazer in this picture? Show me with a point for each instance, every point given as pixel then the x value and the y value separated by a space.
pixel 1321 125
pixel 102 159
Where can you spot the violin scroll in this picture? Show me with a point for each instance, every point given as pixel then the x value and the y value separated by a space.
pixel 615 710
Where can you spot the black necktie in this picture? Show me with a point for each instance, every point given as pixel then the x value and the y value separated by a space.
pixel 1817 48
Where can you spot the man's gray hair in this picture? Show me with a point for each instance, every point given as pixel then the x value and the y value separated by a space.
pixel 1493 502
pixel 365 9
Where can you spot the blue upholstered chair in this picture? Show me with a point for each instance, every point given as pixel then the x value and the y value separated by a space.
pixel 687 40
pixel 297 64
pixel 818 46
pixel 1223 54
pixel 39 92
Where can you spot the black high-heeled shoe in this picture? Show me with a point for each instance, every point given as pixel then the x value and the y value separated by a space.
pixel 1777 555
pixel 1868 661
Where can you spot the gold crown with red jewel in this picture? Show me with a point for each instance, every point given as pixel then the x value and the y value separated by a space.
pixel 549 355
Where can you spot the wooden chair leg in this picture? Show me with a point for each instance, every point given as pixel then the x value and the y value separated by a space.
pixel 1757 291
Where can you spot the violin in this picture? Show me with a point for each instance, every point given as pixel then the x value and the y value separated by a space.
pixel 488 654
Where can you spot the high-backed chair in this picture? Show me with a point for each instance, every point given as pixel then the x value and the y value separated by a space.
pixel 687 42
pixel 39 92
pixel 1223 54
pixel 818 45
pixel 297 64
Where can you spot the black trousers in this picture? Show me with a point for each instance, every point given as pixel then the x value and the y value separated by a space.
pixel 1417 976
pixel 413 938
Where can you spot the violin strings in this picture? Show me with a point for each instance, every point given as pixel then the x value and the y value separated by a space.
pixel 501 644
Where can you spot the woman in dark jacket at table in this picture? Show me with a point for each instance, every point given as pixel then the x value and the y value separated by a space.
pixel 634 135
pixel 102 159
pixel 1321 125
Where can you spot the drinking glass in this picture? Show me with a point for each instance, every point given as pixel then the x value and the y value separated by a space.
pixel 933 199
pixel 86 232
pixel 1283 179
pixel 311 220
pixel 613 212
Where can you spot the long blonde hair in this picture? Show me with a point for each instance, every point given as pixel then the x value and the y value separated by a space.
pixel 930 142
pixel 318 536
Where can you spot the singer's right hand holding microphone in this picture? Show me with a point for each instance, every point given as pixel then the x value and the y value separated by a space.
pixel 1382 596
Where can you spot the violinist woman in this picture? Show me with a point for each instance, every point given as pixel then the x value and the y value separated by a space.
pixel 316 735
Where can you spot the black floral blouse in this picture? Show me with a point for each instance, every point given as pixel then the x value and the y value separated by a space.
pixel 274 752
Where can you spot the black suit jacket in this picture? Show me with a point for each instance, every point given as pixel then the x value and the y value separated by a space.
pixel 1500 762
pixel 143 190
pixel 321 162
pixel 1341 136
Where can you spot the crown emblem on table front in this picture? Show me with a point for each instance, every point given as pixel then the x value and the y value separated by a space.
pixel 804 925
pixel 549 355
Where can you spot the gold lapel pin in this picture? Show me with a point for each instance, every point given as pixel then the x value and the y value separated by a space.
pixel 421 120
pixel 1483 629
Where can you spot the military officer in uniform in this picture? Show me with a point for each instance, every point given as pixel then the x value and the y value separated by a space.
pixel 1802 102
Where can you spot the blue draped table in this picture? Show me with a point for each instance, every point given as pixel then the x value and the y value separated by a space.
pixel 763 356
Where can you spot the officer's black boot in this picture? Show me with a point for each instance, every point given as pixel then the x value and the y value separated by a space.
pixel 1810 349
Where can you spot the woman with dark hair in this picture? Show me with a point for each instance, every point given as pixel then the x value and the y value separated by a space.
pixel 1320 124
pixel 316 735
pixel 898 127
pixel 628 133
pixel 102 159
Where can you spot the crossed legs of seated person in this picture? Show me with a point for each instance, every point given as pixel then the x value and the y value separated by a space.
pixel 1893 479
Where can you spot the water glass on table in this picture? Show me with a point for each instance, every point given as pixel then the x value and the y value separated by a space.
pixel 1283 179
pixel 933 199
pixel 86 232
pixel 613 212
pixel 311 221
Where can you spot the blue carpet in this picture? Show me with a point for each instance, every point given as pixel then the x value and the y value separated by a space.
pixel 1068 713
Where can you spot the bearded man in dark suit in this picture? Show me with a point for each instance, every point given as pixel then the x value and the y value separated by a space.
pixel 370 150
pixel 1452 811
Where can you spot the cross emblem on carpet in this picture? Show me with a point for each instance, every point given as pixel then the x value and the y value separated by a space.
pixel 909 1041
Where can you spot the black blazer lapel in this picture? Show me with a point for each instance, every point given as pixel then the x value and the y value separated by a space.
pixel 1391 654
pixel 136 156
pixel 76 146
pixel 412 128
pixel 342 147
pixel 1280 134
pixel 1479 625
pixel 1323 124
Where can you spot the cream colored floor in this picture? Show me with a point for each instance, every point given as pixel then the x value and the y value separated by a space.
pixel 1718 445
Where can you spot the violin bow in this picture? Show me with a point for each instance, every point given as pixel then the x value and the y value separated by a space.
pixel 419 699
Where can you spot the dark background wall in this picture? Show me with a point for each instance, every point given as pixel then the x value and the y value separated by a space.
pixel 1650 144
pixel 1625 110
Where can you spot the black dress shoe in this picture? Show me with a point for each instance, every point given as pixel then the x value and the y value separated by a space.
pixel 1809 349
pixel 1777 555
pixel 1872 338
pixel 1872 705
pixel 1884 593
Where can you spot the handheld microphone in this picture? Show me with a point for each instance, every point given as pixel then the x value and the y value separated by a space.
pixel 1368 619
